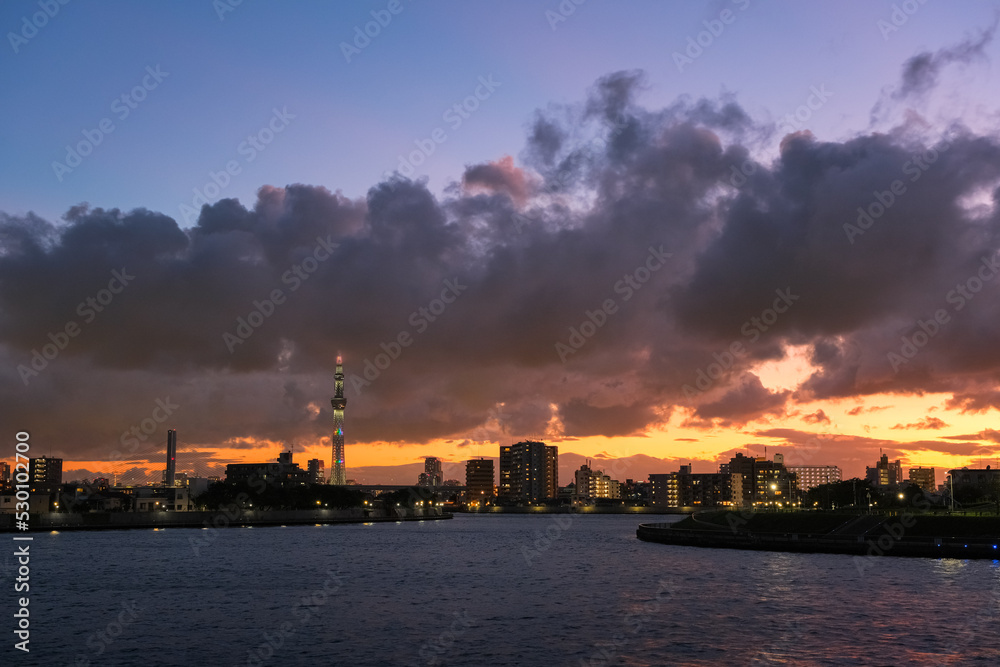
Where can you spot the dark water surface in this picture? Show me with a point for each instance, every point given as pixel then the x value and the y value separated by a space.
pixel 488 590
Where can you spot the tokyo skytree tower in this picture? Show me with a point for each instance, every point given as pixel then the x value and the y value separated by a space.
pixel 338 472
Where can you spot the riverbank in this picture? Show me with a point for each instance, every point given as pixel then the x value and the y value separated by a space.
pixel 211 519
pixel 905 534
pixel 586 509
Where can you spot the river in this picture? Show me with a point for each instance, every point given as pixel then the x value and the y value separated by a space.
pixel 488 590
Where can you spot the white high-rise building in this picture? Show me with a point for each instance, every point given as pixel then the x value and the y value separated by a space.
pixel 812 476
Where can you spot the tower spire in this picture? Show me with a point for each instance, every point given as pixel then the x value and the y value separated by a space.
pixel 338 471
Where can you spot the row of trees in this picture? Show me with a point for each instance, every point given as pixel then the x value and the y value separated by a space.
pixel 861 493
pixel 271 497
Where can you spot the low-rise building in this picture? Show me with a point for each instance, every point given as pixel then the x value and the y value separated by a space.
pixel 595 484
pixel 687 489
pixel 982 477
pixel 38 503
pixel 281 473
pixel 161 499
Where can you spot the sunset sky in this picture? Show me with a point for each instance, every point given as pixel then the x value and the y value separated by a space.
pixel 649 231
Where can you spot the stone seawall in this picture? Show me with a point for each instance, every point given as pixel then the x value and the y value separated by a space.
pixel 857 545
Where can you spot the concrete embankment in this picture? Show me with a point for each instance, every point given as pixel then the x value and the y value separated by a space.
pixel 210 519
pixel 858 536
pixel 587 509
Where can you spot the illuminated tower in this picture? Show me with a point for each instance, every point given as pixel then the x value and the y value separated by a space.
pixel 338 473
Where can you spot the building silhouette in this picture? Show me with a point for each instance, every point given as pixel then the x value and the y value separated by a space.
pixel 433 474
pixel 925 478
pixel 317 474
pixel 283 472
pixel 529 471
pixel 338 469
pixel 479 479
pixel 690 489
pixel 744 481
pixel 885 473
pixel 168 479
pixel 983 478
pixel 45 474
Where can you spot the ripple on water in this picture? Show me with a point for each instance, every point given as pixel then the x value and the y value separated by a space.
pixel 461 592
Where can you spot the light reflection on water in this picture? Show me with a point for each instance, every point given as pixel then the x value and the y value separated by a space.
pixel 462 592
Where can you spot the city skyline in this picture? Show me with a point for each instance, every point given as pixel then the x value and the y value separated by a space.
pixel 667 251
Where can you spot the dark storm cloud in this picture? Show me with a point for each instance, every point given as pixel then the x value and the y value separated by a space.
pixel 466 296
pixel 582 419
pixel 922 71
pixel 749 400
pixel 975 401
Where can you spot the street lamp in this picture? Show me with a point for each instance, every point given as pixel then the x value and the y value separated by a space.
pixel 773 487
